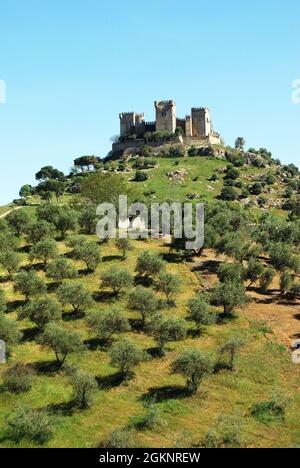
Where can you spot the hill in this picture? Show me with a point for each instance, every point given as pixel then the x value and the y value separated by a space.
pixel 244 288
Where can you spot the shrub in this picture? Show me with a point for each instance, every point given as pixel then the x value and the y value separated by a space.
pixel 18 378
pixel 228 194
pixel 2 301
pixel 140 176
pixel 119 438
pixel 9 332
pixel 31 424
pixel 231 348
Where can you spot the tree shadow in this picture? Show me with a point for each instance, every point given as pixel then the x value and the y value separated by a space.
pixel 71 316
pixel 52 287
pixel 13 305
pixel 110 381
pixel 221 366
pixel 61 409
pixel 95 344
pixel 110 258
pixel 104 296
pixel 159 394
pixel 136 325
pixel 5 279
pixel 143 281
pixel 85 272
pixel 207 266
pixel 30 334
pixel 46 367
pixel 156 352
pixel 25 249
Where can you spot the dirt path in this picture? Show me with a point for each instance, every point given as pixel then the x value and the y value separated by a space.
pixel 9 211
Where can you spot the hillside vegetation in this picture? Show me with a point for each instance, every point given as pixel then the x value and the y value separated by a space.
pixel 140 343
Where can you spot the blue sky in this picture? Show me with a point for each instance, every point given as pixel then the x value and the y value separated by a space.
pixel 71 66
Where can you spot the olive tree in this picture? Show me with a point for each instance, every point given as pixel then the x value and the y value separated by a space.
pixel 10 261
pixel 105 325
pixel 168 284
pixel 117 279
pixel 125 246
pixel 144 301
pixel 125 355
pixel 194 366
pixel 18 220
pixel 29 284
pixel 76 295
pixel 199 310
pixel 166 330
pixel 83 386
pixel 230 295
pixel 9 332
pixel 87 252
pixel 60 269
pixel 65 221
pixel 18 378
pixel 149 265
pixel 62 341
pixel 41 311
pixel 231 348
pixel 39 231
pixel 44 250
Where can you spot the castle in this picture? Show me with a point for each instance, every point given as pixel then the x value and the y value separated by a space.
pixel 197 126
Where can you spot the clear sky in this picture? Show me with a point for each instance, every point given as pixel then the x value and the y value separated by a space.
pixel 70 67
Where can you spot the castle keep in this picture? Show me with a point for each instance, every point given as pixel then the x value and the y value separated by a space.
pixel 197 125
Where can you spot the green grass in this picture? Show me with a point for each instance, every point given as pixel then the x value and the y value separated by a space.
pixel 262 366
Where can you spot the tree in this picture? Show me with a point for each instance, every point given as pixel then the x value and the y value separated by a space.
pixel 10 261
pixel 117 279
pixel 166 330
pixel 86 162
pixel 45 250
pixel 60 269
pixel 29 284
pixel 124 245
pixel 76 295
pixel 266 279
pixel 49 187
pixel 193 365
pixel 286 282
pixel 230 295
pixel 89 253
pixel 18 220
pixel 228 194
pixel 18 378
pixel 39 231
pixel 254 271
pixel 41 311
pixel 48 172
pixel 106 188
pixel 231 347
pixel 107 324
pixel 88 220
pixel 66 221
pixel 62 341
pixel 282 257
pixel 32 424
pixel 168 284
pixel 83 385
pixel 144 301
pixel 26 191
pixel 199 310
pixel 229 272
pixel 9 332
pixel 240 143
pixel 47 212
pixel 149 264
pixel 125 355
pixel 2 301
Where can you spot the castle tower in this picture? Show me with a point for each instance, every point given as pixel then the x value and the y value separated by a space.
pixel 131 122
pixel 188 126
pixel 201 122
pixel 165 116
